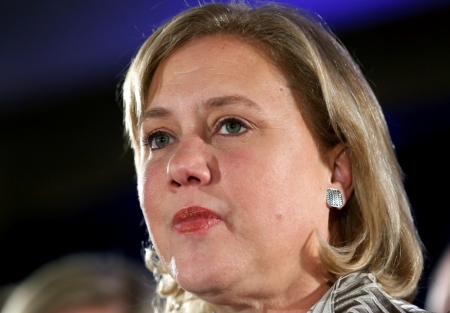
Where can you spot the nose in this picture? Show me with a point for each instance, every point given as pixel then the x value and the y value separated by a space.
pixel 191 164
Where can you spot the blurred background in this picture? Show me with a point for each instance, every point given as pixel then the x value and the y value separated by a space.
pixel 67 182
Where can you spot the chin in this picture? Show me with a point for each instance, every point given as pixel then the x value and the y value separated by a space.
pixel 205 289
pixel 204 281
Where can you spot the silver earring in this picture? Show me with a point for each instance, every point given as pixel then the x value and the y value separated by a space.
pixel 335 198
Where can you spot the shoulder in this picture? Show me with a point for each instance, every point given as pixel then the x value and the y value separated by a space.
pixel 359 293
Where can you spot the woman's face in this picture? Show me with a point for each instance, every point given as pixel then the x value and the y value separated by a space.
pixel 233 186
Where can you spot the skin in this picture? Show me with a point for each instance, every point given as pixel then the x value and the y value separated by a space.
pixel 438 297
pixel 267 182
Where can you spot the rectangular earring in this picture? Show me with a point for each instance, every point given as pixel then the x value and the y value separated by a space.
pixel 335 198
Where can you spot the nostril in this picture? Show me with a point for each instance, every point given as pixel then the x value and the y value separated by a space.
pixel 193 179
pixel 190 179
pixel 188 166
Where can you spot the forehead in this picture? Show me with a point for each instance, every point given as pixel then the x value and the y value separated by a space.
pixel 220 61
pixel 211 47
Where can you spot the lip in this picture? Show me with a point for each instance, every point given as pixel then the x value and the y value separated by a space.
pixel 194 220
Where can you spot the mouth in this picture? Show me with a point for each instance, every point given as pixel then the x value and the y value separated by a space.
pixel 194 220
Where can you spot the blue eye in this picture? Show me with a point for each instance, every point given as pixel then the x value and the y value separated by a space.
pixel 158 140
pixel 231 126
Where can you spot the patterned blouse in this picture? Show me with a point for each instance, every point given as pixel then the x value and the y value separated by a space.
pixel 359 293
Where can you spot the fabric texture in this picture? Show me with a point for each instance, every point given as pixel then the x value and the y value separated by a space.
pixel 360 293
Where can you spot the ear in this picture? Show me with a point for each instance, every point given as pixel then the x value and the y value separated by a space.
pixel 341 170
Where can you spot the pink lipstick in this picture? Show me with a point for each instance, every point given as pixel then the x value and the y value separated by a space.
pixel 194 219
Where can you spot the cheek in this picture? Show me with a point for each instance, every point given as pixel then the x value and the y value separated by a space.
pixel 240 169
pixel 153 196
pixel 276 199
pixel 276 185
pixel 254 178
pixel 151 185
pixel 151 180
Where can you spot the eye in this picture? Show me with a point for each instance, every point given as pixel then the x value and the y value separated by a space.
pixel 158 140
pixel 231 126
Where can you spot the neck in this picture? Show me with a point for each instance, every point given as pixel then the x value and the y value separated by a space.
pixel 284 302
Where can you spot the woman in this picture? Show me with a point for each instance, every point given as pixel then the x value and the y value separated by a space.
pixel 438 295
pixel 265 170
pixel 84 283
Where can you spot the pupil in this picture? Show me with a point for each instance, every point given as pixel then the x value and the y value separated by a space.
pixel 233 127
pixel 161 141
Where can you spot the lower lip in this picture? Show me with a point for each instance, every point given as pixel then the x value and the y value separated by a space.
pixel 198 226
pixel 194 220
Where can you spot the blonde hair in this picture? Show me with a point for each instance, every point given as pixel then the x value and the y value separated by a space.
pixel 375 231
pixel 84 279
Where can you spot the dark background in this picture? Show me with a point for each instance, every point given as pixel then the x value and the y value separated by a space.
pixel 67 182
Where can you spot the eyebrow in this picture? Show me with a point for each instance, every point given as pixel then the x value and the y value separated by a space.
pixel 212 103
pixel 218 102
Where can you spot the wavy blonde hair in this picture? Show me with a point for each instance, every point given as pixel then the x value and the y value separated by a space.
pixel 375 232
pixel 83 280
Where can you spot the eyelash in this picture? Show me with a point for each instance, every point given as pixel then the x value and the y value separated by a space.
pixel 226 120
pixel 148 139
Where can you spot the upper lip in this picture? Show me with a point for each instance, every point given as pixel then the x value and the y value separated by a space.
pixel 191 213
